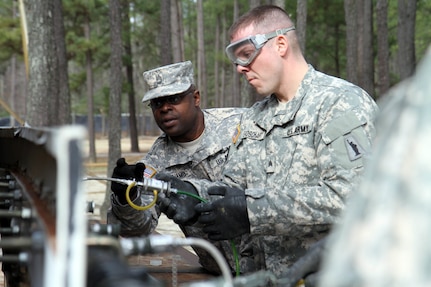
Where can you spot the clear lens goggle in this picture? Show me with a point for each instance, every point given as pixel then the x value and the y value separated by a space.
pixel 244 51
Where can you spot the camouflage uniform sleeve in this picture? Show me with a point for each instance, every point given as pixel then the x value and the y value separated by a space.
pixel 306 190
pixel 383 237
pixel 133 222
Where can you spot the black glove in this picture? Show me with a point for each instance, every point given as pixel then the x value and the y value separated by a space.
pixel 224 218
pixel 179 207
pixel 126 171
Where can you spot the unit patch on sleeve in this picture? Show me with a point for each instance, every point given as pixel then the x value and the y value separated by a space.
pixel 354 149
pixel 149 171
pixel 236 134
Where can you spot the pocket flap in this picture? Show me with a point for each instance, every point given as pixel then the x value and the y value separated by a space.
pixel 340 126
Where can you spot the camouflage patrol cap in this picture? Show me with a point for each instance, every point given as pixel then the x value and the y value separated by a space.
pixel 168 80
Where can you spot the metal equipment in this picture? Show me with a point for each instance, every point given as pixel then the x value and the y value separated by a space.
pixel 42 207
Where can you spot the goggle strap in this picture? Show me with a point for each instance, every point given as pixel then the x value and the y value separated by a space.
pixel 279 32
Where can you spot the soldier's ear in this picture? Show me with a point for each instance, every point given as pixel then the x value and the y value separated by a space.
pixel 197 97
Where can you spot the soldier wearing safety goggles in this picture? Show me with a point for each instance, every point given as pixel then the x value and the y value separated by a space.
pixel 244 51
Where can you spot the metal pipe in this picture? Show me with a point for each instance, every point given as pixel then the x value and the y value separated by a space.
pixel 147 183
pixel 16 194
pixel 9 184
pixel 23 213
pixel 16 243
pixel 22 257
pixel 9 230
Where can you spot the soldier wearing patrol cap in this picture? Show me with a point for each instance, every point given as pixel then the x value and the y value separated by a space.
pixel 195 144
pixel 168 80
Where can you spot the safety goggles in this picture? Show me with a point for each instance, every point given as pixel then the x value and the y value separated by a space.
pixel 171 100
pixel 244 51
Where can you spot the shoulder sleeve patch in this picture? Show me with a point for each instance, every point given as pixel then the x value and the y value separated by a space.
pixel 149 171
pixel 236 134
pixel 354 149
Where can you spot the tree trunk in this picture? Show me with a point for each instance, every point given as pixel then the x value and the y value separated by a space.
pixel 134 145
pixel 90 97
pixel 217 50
pixel 165 32
pixel 250 91
pixel 236 84
pixel 360 40
pixel 281 3
pixel 12 95
pixel 383 82
pixel 114 119
pixel 223 70
pixel 365 45
pixel 351 40
pixel 49 100
pixel 253 3
pixel 42 104
pixel 64 109
pixel 405 38
pixel 177 32
pixel 301 23
pixel 202 80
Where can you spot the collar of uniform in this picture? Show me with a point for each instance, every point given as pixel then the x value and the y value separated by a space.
pixel 267 115
pixel 277 117
pixel 213 140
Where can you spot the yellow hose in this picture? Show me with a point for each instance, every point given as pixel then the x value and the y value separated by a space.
pixel 137 207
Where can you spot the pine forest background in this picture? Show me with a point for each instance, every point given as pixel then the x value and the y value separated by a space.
pixel 363 41
pixel 65 59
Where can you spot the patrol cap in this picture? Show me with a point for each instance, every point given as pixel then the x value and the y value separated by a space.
pixel 168 80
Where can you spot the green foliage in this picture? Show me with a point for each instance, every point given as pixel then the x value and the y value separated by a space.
pixel 145 16
pixel 10 32
pixel 423 32
pixel 76 14
pixel 325 43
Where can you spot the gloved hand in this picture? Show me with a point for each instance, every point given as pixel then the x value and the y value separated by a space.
pixel 126 171
pixel 179 207
pixel 224 218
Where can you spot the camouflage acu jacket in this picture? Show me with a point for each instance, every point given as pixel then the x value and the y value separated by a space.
pixel 206 162
pixel 297 164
